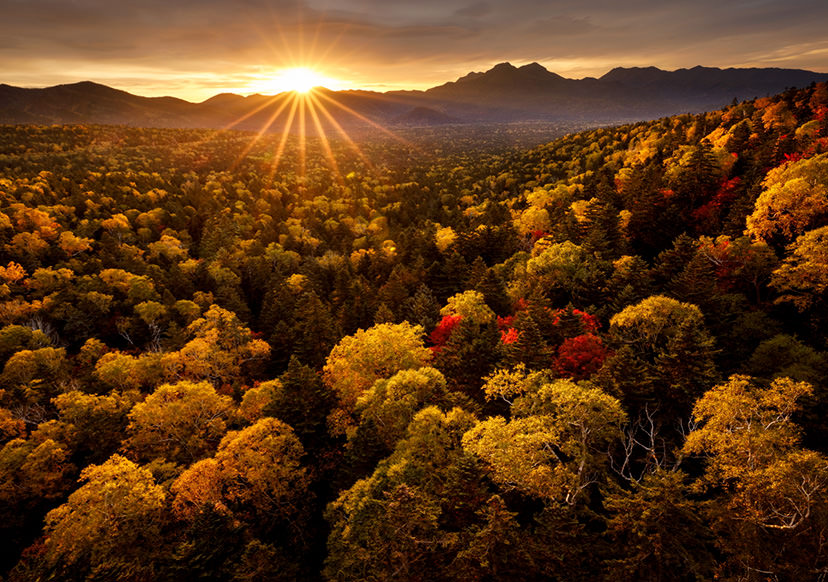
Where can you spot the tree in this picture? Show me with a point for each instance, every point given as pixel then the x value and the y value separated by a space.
pixel 255 476
pixel 96 423
pixel 301 399
pixel 553 448
pixel 580 356
pixel 181 422
pixel 774 492
pixel 566 272
pixel 643 522
pixel 403 519
pixel 468 305
pixel 35 376
pixel 423 308
pixel 802 279
pixel 471 352
pixel 390 405
pixel 667 342
pixel 794 201
pixel 314 333
pixel 359 360
pixel 222 350
pixel 109 527
pixel 526 343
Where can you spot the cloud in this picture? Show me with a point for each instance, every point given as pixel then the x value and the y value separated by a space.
pixel 475 10
pixel 391 42
pixel 561 25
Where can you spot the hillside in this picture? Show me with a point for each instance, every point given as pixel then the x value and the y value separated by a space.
pixel 232 357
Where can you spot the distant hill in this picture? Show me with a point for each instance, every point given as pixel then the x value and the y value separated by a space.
pixel 420 116
pixel 502 94
pixel 88 102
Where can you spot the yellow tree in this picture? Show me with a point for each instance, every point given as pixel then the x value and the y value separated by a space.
pixel 222 350
pixel 772 505
pixel 180 422
pixel 255 475
pixel 359 360
pixel 554 446
pixel 793 201
pixel 803 276
pixel 110 526
pixel 94 422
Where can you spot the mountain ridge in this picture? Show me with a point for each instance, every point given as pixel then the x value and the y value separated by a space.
pixel 504 93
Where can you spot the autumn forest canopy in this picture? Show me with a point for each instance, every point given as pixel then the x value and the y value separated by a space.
pixel 426 356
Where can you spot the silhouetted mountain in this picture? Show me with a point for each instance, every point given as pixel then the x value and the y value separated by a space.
pixel 532 92
pixel 503 93
pixel 87 102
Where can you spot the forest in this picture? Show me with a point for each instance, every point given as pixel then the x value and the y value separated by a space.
pixel 423 356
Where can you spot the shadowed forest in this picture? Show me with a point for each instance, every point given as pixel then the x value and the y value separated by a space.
pixel 435 357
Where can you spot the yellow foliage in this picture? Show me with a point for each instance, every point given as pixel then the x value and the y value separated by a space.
pixel 255 469
pixel 12 273
pixel 359 360
pixel 471 306
pixel 181 422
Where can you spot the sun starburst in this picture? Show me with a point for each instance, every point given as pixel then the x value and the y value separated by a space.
pixel 296 79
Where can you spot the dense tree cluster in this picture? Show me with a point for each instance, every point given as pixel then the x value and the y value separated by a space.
pixel 234 357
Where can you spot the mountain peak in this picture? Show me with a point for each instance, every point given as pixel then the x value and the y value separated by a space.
pixel 534 67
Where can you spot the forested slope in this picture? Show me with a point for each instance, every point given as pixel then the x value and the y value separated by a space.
pixel 227 358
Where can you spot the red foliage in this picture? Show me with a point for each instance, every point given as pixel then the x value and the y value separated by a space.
pixel 709 212
pixel 504 323
pixel 796 156
pixel 581 356
pixel 442 332
pixel 509 336
pixel 589 323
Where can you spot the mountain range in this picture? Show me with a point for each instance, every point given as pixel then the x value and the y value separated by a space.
pixel 504 93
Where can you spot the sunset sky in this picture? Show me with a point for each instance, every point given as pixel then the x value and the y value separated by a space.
pixel 196 48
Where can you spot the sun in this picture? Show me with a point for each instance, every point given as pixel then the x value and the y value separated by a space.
pixel 297 79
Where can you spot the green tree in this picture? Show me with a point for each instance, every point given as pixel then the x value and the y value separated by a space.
pixel 403 520
pixel 646 543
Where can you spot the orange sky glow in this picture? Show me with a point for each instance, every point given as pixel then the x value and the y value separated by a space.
pixel 195 49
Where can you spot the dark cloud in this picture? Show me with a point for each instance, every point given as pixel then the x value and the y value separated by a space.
pixel 161 45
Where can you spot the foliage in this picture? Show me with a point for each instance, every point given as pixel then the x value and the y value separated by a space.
pixel 488 362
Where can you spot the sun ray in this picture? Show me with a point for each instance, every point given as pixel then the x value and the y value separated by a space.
pixel 283 141
pixel 252 112
pixel 324 140
pixel 264 129
pixel 366 120
pixel 332 120
pixel 302 140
